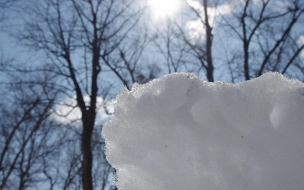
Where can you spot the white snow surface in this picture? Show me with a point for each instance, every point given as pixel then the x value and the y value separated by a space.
pixel 179 132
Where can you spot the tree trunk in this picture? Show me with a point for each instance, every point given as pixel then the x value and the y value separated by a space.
pixel 246 60
pixel 88 126
pixel 209 38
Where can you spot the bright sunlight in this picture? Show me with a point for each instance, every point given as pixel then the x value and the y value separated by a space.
pixel 164 8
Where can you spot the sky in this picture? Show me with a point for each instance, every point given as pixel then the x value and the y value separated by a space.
pixel 159 10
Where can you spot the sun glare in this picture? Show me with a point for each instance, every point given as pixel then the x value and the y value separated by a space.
pixel 164 8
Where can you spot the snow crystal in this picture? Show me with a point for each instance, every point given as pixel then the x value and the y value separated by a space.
pixel 179 132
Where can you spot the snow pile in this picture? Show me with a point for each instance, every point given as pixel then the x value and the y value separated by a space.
pixel 179 132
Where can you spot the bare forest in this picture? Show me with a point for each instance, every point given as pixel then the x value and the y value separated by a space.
pixel 63 62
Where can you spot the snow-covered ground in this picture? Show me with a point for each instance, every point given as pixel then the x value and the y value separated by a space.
pixel 179 132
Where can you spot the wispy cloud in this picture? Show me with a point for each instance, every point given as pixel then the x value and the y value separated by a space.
pixel 67 112
pixel 196 27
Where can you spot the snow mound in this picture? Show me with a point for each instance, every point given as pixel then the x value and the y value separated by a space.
pixel 179 132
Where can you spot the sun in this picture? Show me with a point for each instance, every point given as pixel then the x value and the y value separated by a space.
pixel 164 8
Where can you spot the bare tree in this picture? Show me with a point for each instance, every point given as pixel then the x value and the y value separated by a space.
pixel 252 37
pixel 78 38
pixel 171 47
pixel 125 61
pixel 200 47
pixel 268 34
pixel 25 132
